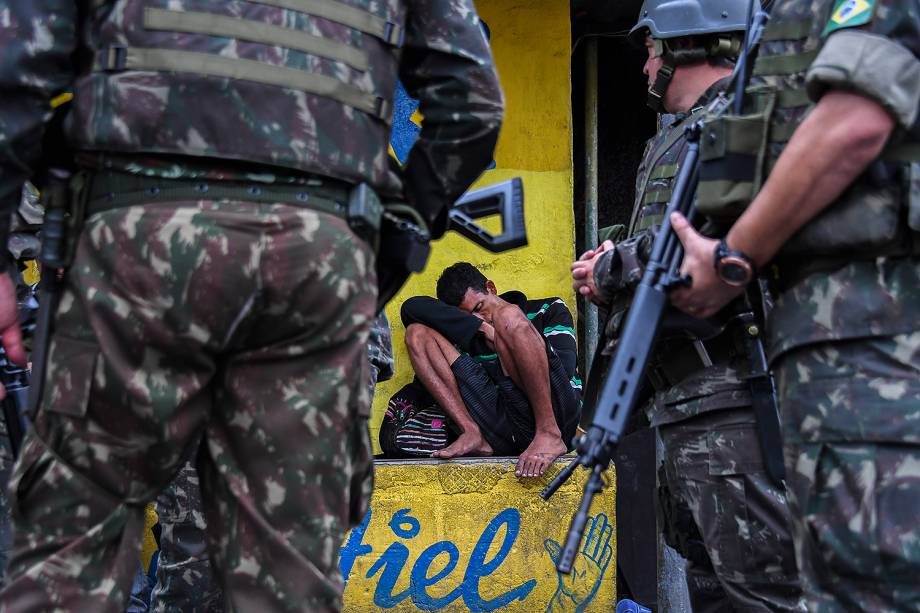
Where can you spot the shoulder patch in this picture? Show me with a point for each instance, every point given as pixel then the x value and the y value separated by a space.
pixel 849 14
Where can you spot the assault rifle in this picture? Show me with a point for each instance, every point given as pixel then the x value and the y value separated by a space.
pixel 621 387
pixel 620 390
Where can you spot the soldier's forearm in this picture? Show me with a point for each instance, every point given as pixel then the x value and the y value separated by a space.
pixel 829 150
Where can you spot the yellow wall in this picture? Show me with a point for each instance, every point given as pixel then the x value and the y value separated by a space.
pixel 531 44
pixel 455 518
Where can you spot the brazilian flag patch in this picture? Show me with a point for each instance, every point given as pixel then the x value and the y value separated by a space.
pixel 848 14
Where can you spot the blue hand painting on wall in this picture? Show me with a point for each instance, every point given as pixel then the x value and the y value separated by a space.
pixel 579 587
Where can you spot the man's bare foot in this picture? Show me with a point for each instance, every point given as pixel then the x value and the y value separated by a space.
pixel 469 444
pixel 543 449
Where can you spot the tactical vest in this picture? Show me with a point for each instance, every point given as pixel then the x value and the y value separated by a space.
pixel 302 84
pixel 738 152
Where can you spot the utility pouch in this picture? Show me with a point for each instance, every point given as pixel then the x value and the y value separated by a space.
pixel 405 245
pixel 732 153
pixel 364 210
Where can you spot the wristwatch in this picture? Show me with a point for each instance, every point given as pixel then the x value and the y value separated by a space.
pixel 733 267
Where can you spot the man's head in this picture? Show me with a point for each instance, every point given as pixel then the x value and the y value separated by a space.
pixel 462 285
pixel 691 44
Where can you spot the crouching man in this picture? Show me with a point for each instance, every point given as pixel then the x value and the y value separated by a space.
pixel 502 367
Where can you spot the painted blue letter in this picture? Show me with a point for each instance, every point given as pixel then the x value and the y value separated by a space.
pixel 479 568
pixel 354 548
pixel 419 581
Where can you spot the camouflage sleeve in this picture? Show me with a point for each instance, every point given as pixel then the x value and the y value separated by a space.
pixel 872 48
pixel 447 66
pixel 37 42
pixel 621 268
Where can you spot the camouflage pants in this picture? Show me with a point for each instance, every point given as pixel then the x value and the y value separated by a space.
pixel 854 490
pixel 725 516
pixel 243 323
pixel 185 581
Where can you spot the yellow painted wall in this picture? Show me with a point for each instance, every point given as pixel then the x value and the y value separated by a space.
pixel 441 536
pixel 531 43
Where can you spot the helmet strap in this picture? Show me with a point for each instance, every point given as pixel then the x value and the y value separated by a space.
pixel 662 80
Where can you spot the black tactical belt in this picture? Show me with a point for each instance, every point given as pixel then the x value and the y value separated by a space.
pixel 115 190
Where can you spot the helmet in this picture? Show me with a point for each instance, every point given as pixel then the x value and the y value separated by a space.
pixel 675 18
pixel 721 23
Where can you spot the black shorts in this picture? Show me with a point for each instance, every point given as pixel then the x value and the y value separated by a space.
pixel 502 411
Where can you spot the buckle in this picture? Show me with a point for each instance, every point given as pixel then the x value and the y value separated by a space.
pixel 382 108
pixel 393 34
pixel 113 58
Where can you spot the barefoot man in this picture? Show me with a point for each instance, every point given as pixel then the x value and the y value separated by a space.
pixel 503 368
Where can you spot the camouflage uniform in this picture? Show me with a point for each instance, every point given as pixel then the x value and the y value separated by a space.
pixel 845 330
pixel 718 507
pixel 243 318
pixel 184 578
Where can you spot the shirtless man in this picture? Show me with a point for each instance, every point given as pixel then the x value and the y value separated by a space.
pixel 503 368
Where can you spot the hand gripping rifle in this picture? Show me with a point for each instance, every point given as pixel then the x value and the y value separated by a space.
pixel 620 389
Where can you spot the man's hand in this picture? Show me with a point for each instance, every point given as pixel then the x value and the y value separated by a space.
pixel 583 272
pixel 10 334
pixel 707 293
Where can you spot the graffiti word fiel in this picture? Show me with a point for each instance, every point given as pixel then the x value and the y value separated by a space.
pixel 395 559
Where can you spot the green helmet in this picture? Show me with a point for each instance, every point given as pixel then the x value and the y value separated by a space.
pixel 718 25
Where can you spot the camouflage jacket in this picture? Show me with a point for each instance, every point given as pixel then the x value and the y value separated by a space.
pixel 699 388
pixel 309 92
pixel 872 48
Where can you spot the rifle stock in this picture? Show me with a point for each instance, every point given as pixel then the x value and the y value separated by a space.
pixel 405 246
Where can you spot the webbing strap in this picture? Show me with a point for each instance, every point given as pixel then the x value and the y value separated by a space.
pixel 784 64
pixel 790 98
pixel 212 65
pixel 786 30
pixel 108 191
pixel 665 171
pixel 353 17
pixel 657 196
pixel 254 31
pixel 650 220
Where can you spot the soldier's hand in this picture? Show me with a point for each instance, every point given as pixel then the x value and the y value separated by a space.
pixel 707 293
pixel 10 334
pixel 583 272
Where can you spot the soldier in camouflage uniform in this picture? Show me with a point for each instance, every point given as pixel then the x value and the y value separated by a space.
pixel 834 97
pixel 184 578
pixel 718 506
pixel 218 288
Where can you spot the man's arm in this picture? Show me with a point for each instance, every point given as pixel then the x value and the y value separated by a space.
pixel 866 85
pixel 450 322
pixel 559 330
pixel 447 66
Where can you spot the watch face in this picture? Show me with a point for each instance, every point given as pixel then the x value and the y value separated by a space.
pixel 734 271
